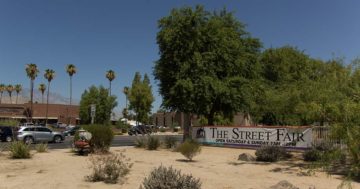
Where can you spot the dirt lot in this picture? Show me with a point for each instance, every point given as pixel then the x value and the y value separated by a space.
pixel 218 168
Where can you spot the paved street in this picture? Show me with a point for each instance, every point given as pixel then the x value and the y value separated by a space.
pixel 118 141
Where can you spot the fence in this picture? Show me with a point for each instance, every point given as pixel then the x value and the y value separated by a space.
pixel 321 134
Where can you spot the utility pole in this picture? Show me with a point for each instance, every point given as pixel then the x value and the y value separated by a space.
pixel 92 113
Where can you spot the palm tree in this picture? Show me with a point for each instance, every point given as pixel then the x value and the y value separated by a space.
pixel 18 89
pixel 71 70
pixel 49 75
pixel 42 88
pixel 31 71
pixel 10 89
pixel 126 92
pixel 110 75
pixel 2 89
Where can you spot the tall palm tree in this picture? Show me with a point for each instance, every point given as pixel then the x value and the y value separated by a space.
pixel 10 89
pixel 71 70
pixel 2 89
pixel 126 92
pixel 42 89
pixel 31 72
pixel 18 89
pixel 110 75
pixel 49 75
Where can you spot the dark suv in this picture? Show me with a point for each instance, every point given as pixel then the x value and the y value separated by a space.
pixel 6 133
pixel 140 129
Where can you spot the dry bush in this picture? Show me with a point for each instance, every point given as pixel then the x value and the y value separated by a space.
pixel 169 178
pixel 110 168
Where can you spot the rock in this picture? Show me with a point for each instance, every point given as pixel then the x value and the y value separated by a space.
pixel 284 184
pixel 246 157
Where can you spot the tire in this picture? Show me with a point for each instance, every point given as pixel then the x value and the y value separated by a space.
pixel 28 140
pixel 8 139
pixel 57 139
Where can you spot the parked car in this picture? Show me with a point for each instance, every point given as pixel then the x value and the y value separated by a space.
pixel 140 129
pixel 26 124
pixel 6 133
pixel 35 134
pixel 71 131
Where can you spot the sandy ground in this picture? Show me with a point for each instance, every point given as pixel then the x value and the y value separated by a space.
pixel 218 168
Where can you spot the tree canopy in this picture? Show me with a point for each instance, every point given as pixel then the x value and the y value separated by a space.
pixel 140 97
pixel 207 60
pixel 104 105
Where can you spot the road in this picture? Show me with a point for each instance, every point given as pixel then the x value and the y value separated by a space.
pixel 117 141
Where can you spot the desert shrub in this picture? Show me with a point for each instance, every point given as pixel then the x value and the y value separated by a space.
pixel 109 168
pixel 140 142
pixel 312 155
pixel 169 142
pixel 189 149
pixel 322 151
pixel 271 153
pixel 169 178
pixel 102 136
pixel 152 142
pixel 42 147
pixel 19 150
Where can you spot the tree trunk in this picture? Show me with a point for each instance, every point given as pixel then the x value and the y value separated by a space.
pixel 47 104
pixel 70 89
pixel 110 89
pixel 31 99
pixel 210 117
pixel 17 95
pixel 187 128
pixel 1 97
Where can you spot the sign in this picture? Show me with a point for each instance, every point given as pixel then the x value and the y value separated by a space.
pixel 289 137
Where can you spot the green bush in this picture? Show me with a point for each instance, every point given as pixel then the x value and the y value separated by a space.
pixel 102 136
pixel 19 150
pixel 9 122
pixel 312 155
pixel 169 142
pixel 319 151
pixel 123 126
pixel 271 153
pixel 140 142
pixel 152 142
pixel 169 178
pixel 109 168
pixel 162 129
pixel 189 149
pixel 43 147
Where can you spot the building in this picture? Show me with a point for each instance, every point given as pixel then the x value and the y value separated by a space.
pixel 168 119
pixel 68 114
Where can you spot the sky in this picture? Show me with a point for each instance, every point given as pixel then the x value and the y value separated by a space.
pixel 99 35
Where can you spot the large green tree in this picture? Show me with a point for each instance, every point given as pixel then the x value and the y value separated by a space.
pixel 141 97
pixel 208 63
pixel 104 105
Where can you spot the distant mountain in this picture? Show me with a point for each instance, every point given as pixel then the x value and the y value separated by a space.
pixel 24 96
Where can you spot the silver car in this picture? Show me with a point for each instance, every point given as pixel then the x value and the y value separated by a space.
pixel 33 134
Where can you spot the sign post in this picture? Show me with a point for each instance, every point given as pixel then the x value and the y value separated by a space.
pixel 92 112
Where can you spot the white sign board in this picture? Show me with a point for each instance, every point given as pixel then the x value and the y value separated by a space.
pixel 290 137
